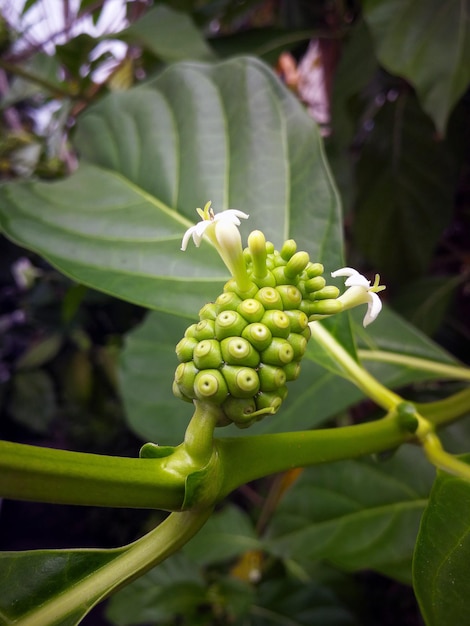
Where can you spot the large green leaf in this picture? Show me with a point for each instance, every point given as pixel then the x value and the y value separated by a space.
pixel 402 207
pixel 428 43
pixel 170 35
pixel 356 514
pixel 229 132
pixel 442 555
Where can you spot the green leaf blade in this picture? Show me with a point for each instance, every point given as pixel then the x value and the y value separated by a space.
pixel 440 565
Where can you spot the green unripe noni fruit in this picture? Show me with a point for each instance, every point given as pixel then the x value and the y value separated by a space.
pixel 249 343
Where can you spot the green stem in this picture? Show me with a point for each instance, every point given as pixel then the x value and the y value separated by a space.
pixel 244 459
pixel 442 459
pixel 55 89
pixel 377 392
pixel 64 477
pixel 446 410
pixel 132 562
pixel 443 370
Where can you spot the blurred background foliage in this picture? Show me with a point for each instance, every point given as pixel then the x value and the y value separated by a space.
pixel 387 82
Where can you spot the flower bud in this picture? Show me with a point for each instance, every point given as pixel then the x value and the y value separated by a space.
pixel 314 269
pixel 330 292
pixel 315 284
pixel 242 382
pixel 207 354
pixel 239 351
pixel 296 264
pixel 288 249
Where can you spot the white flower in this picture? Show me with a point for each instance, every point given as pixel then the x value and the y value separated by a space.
pixel 24 273
pixel 221 229
pixel 208 223
pixel 360 292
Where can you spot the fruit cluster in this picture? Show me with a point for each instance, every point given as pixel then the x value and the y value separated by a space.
pixel 248 345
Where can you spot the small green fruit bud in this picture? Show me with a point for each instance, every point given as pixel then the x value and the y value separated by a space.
pixel 232 285
pixel 229 324
pixel 210 385
pixel 269 298
pixel 239 351
pixel 269 399
pixel 290 296
pixel 292 370
pixel 298 321
pixel 205 329
pixel 271 377
pixel 208 312
pixel 252 310
pixel 190 331
pixel 280 277
pixel 207 354
pixel 184 378
pixel 299 344
pixel 242 382
pixel 185 348
pixel 178 394
pixel 277 322
pixel 279 352
pixel 227 301
pixel 258 335
pixel 239 410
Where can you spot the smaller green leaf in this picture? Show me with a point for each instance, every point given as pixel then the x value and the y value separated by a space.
pixel 291 602
pixel 402 208
pixel 428 43
pixel 442 555
pixel 169 34
pixel 147 368
pixel 29 580
pixel 33 403
pixel 355 514
pixel 226 534
pixel 425 301
pixel 174 587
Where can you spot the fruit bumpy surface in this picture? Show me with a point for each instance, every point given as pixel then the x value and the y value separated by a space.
pixel 248 344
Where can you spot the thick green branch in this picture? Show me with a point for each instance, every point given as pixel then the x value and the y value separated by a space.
pixel 63 477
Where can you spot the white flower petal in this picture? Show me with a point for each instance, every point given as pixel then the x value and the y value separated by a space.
pixel 357 280
pixel 187 237
pixel 344 271
pixel 231 215
pixel 373 308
